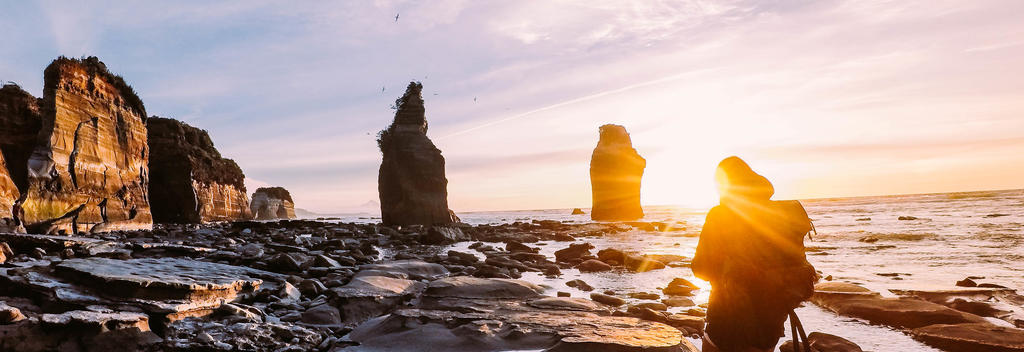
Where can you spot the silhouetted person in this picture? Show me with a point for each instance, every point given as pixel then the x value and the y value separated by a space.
pixel 751 251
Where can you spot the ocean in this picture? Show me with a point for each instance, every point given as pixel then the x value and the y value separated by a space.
pixel 942 238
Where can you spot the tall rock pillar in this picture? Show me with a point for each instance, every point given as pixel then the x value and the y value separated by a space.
pixel 412 185
pixel 615 172
pixel 88 171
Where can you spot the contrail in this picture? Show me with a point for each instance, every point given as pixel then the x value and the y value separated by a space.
pixel 581 99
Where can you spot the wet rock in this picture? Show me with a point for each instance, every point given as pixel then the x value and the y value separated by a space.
pixel 575 251
pixel 412 184
pixel 563 294
pixel 908 313
pixel 644 295
pixel 593 265
pixel 680 287
pixel 271 203
pixel 88 172
pixel 443 235
pixel 823 342
pixel 971 337
pixel 615 172
pixel 577 211
pixel 607 299
pixel 579 285
pixel 312 287
pixel 290 262
pixel 96 331
pixel 189 180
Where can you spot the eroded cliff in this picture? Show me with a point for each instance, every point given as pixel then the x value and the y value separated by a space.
pixel 269 203
pixel 19 126
pixel 615 173
pixel 88 169
pixel 412 184
pixel 190 182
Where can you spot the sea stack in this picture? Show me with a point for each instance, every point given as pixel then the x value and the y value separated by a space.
pixel 189 180
pixel 615 172
pixel 412 185
pixel 88 170
pixel 272 203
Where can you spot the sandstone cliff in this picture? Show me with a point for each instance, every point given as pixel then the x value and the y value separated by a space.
pixel 615 172
pixel 269 203
pixel 88 170
pixel 20 121
pixel 189 180
pixel 412 185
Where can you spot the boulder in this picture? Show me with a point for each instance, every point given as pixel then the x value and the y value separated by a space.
pixel 9 314
pixel 593 265
pixel 615 172
pixel 89 169
pixel 573 252
pixel 323 314
pixel 971 337
pixel 680 287
pixel 272 203
pixel 822 342
pixel 412 184
pixel 606 299
pixel 189 180
pixel 443 235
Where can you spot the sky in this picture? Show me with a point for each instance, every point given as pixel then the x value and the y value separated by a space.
pixel 825 98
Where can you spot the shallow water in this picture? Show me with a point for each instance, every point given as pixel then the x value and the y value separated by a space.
pixel 954 236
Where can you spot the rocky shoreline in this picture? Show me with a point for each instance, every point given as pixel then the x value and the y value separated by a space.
pixel 318 286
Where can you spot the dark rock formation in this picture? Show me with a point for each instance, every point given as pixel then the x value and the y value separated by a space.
pixel 615 172
pixel 189 180
pixel 269 203
pixel 20 121
pixel 88 171
pixel 413 188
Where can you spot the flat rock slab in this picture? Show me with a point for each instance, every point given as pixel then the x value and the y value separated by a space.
pixel 378 286
pixel 414 269
pixel 98 320
pixel 411 329
pixel 25 241
pixel 472 287
pixel 971 337
pixel 159 278
pixel 905 313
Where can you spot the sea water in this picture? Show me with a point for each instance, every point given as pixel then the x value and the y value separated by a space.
pixel 942 239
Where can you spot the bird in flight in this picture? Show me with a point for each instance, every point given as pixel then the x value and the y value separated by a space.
pixel 396 17
pixel 382 89
pixel 474 99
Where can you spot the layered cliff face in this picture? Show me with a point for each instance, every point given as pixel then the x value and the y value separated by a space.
pixel 20 121
pixel 189 180
pixel 269 203
pixel 412 185
pixel 615 172
pixel 88 171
